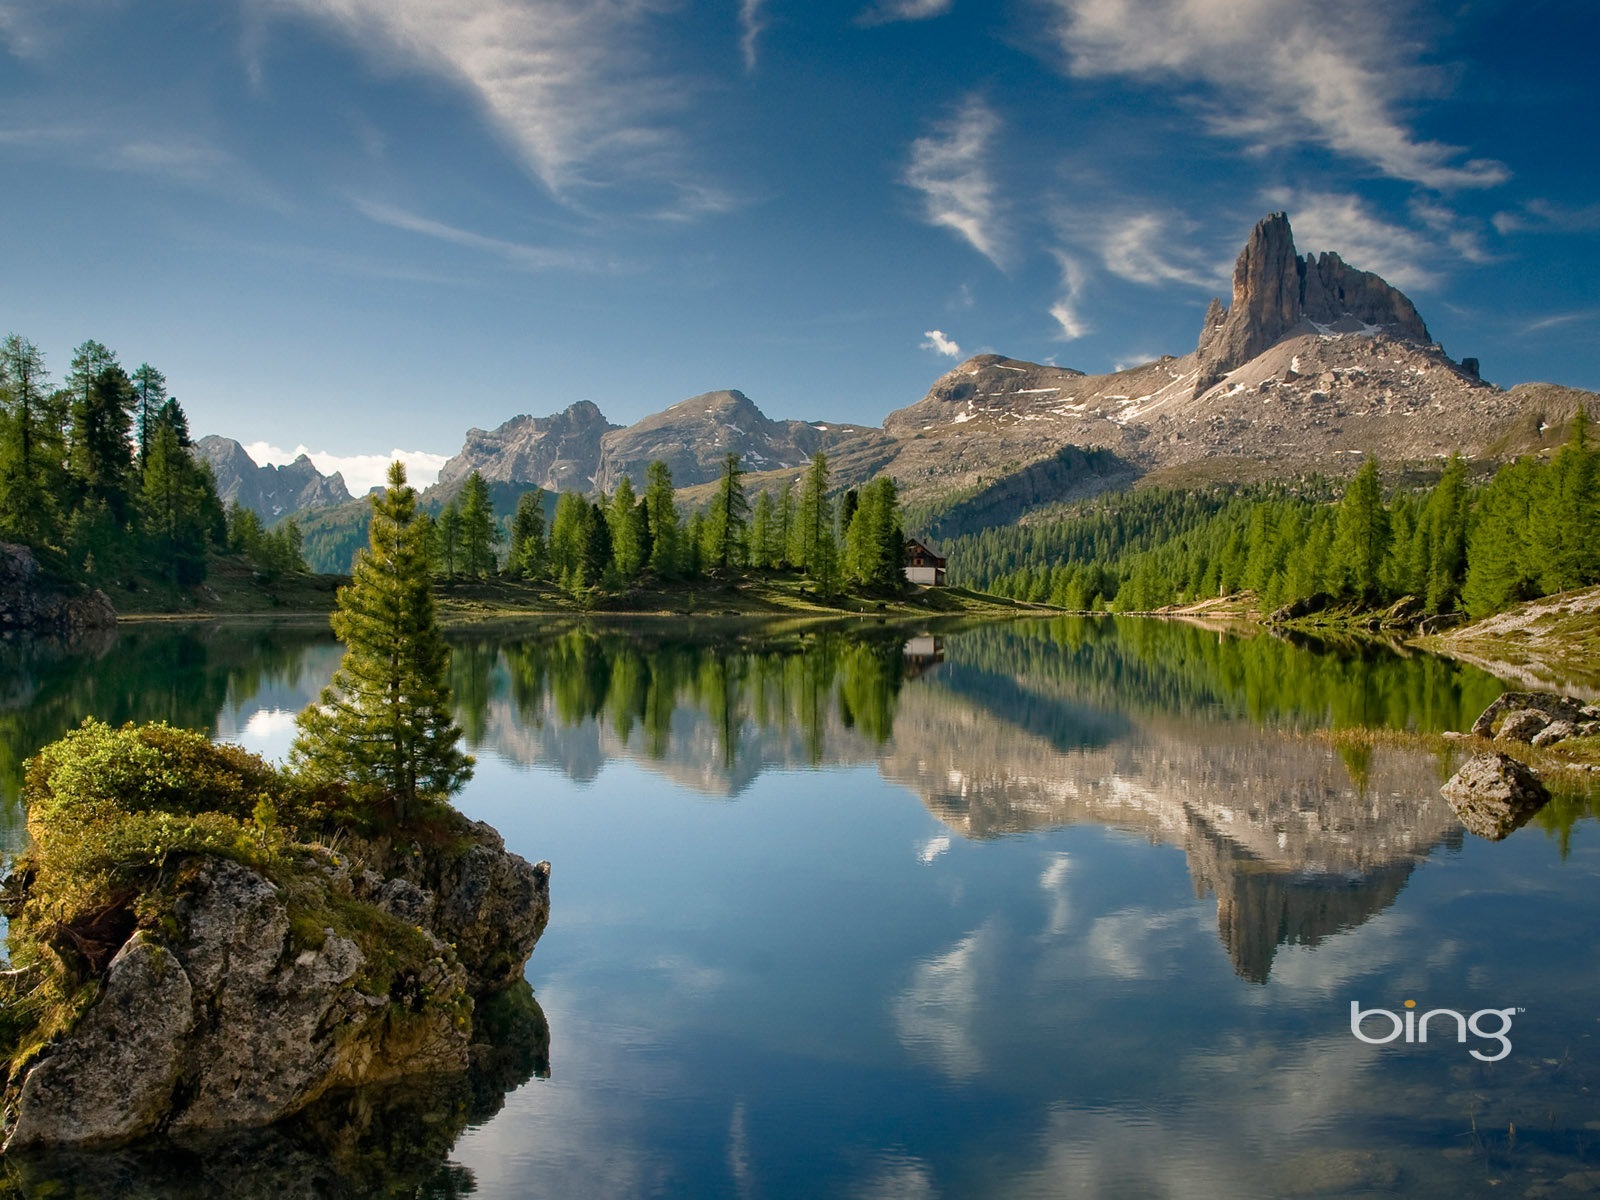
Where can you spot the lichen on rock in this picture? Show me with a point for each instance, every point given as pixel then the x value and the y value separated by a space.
pixel 193 956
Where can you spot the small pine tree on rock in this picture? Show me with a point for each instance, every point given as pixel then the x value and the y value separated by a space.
pixel 384 722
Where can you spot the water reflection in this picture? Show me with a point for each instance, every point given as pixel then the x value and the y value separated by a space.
pixel 1176 733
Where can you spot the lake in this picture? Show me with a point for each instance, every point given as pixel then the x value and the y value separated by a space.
pixel 1062 907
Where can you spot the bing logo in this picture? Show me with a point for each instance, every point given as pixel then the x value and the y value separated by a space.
pixel 1414 1028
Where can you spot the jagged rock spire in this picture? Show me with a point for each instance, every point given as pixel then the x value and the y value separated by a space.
pixel 1276 293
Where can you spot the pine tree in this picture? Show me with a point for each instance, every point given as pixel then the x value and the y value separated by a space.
pixel 1566 541
pixel 813 525
pixel 177 501
pixel 527 555
pixel 31 450
pixel 762 519
pixel 1445 525
pixel 479 533
pixel 569 541
pixel 1501 564
pixel 384 722
pixel 447 540
pixel 628 523
pixel 100 455
pixel 727 518
pixel 150 388
pixel 661 515
pixel 1361 535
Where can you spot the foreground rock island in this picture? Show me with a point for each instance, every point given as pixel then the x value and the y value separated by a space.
pixel 201 941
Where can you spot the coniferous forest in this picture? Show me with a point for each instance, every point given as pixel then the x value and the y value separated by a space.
pixel 1532 529
pixel 99 479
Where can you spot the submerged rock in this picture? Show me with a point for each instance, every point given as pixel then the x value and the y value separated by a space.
pixel 1494 794
pixel 255 995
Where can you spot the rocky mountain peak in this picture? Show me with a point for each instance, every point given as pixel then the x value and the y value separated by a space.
pixel 271 492
pixel 557 452
pixel 1277 292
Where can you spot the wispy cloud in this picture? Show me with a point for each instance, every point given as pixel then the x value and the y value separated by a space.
pixel 1066 308
pixel 517 254
pixel 1342 223
pixel 751 25
pixel 1278 71
pixel 1154 249
pixel 362 472
pixel 950 168
pixel 570 83
pixel 1541 216
pixel 1557 320
pixel 939 344
pixel 885 12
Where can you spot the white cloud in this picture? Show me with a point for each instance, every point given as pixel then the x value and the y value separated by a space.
pixel 1144 248
pixel 362 472
pixel 935 1016
pixel 1344 224
pixel 572 84
pixel 886 11
pixel 750 29
pixel 534 258
pixel 1557 320
pixel 1066 309
pixel 939 344
pixel 949 167
pixel 1541 216
pixel 1277 71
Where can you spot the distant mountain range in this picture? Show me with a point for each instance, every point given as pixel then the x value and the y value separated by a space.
pixel 1313 364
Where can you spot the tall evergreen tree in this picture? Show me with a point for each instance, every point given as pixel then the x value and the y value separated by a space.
pixel 813 524
pixel 727 518
pixel 661 516
pixel 100 454
pixel 527 554
pixel 178 501
pixel 1445 526
pixel 629 525
pixel 31 449
pixel 569 542
pixel 150 388
pixel 1361 534
pixel 447 540
pixel 479 533
pixel 762 519
pixel 1565 533
pixel 384 722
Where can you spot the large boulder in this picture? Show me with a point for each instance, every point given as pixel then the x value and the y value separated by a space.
pixel 1494 794
pixel 1522 716
pixel 255 996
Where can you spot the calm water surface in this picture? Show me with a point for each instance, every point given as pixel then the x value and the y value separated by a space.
pixel 1071 908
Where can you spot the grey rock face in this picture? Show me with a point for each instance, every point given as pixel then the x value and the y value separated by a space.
pixel 560 452
pixel 1522 726
pixel 234 1019
pixel 1493 720
pixel 1494 794
pixel 271 492
pixel 29 604
pixel 1276 292
pixel 113 1079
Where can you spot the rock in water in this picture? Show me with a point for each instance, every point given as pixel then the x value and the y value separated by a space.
pixel 245 1005
pixel 1494 794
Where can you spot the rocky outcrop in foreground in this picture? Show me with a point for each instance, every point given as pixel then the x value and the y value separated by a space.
pixel 31 604
pixel 255 995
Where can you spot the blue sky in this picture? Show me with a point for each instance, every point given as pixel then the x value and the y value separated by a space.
pixel 356 225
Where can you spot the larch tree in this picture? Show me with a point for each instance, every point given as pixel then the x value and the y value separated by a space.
pixel 661 516
pixel 384 723
pixel 527 555
pixel 1361 534
pixel 727 518
pixel 150 388
pixel 479 533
